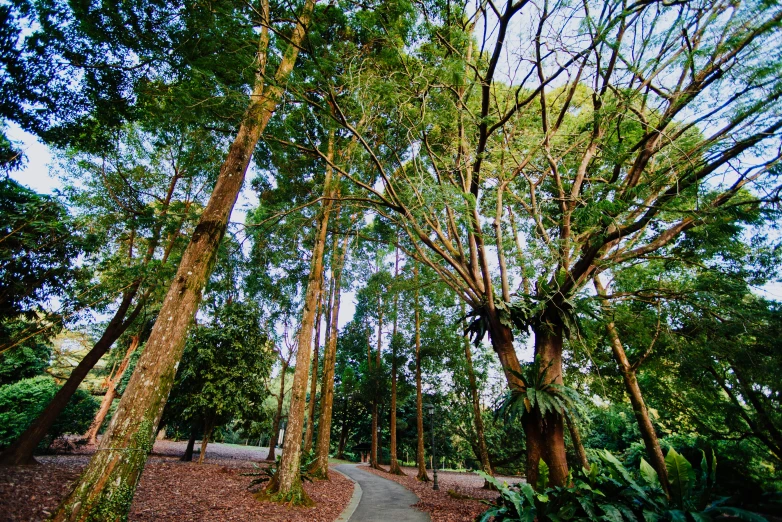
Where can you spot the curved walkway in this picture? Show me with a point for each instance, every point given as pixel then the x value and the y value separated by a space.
pixel 382 500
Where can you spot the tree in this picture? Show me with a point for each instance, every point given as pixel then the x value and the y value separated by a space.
pixel 223 371
pixel 166 343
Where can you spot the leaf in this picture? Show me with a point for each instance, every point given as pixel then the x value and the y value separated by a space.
pixel 681 476
pixel 677 515
pixel 611 513
pixel 542 475
pixel 741 514
pixel 649 474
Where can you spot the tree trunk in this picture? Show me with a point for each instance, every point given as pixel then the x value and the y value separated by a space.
pixel 476 409
pixel 575 436
pixel 313 381
pixel 106 487
pixel 208 428
pixel 278 414
pixel 394 466
pixel 111 392
pixel 548 348
pixel 286 486
pixel 188 456
pixel 648 433
pixel 22 449
pixel 419 403
pixel 320 467
pixel 374 462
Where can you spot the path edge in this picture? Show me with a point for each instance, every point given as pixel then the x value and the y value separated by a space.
pixel 354 500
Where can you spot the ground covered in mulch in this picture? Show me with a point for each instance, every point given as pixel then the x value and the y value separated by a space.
pixel 170 489
pixel 460 498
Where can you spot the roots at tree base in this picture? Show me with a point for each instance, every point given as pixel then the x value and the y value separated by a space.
pixel 295 497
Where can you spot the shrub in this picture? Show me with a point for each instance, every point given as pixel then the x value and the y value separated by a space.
pixel 608 491
pixel 22 401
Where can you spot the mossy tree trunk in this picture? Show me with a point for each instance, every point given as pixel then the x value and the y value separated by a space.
pixel 320 467
pixel 286 485
pixel 106 487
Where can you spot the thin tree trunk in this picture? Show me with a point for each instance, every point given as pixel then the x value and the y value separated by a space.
pixel 419 403
pixel 394 466
pixel 648 433
pixel 106 487
pixel 111 392
pixel 483 451
pixel 188 456
pixel 286 486
pixel 313 381
pixel 208 428
pixel 320 467
pixel 575 436
pixel 22 449
pixel 278 413
pixel 374 462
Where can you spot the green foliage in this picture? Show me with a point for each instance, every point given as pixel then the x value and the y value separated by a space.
pixel 22 401
pixel 539 393
pixel 25 360
pixel 609 491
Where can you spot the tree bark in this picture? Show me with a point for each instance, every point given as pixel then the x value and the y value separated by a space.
pixel 287 484
pixel 373 461
pixel 313 381
pixel 320 467
pixel 106 487
pixel 648 433
pixel 278 413
pixel 188 456
pixel 208 428
pixel 111 392
pixel 419 403
pixel 394 466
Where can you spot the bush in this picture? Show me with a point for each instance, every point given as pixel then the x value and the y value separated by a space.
pixel 22 401
pixel 609 491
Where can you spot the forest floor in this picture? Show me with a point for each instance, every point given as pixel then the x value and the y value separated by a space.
pixel 170 489
pixel 460 498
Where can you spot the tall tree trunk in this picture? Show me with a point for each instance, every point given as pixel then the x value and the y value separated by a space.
pixel 483 451
pixel 278 413
pixel 374 453
pixel 22 449
pixel 648 433
pixel 313 381
pixel 209 426
pixel 394 467
pixel 286 486
pixel 320 467
pixel 420 457
pixel 188 456
pixel 111 392
pixel 106 487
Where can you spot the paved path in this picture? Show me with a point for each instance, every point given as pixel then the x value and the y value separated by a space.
pixel 382 500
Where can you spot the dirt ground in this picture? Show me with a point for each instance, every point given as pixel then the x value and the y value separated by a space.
pixel 460 499
pixel 170 489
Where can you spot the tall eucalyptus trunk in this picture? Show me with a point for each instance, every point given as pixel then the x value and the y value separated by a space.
pixel 286 485
pixel 106 487
pixel 320 467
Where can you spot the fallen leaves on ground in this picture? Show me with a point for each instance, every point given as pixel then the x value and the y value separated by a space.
pixel 458 500
pixel 169 490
